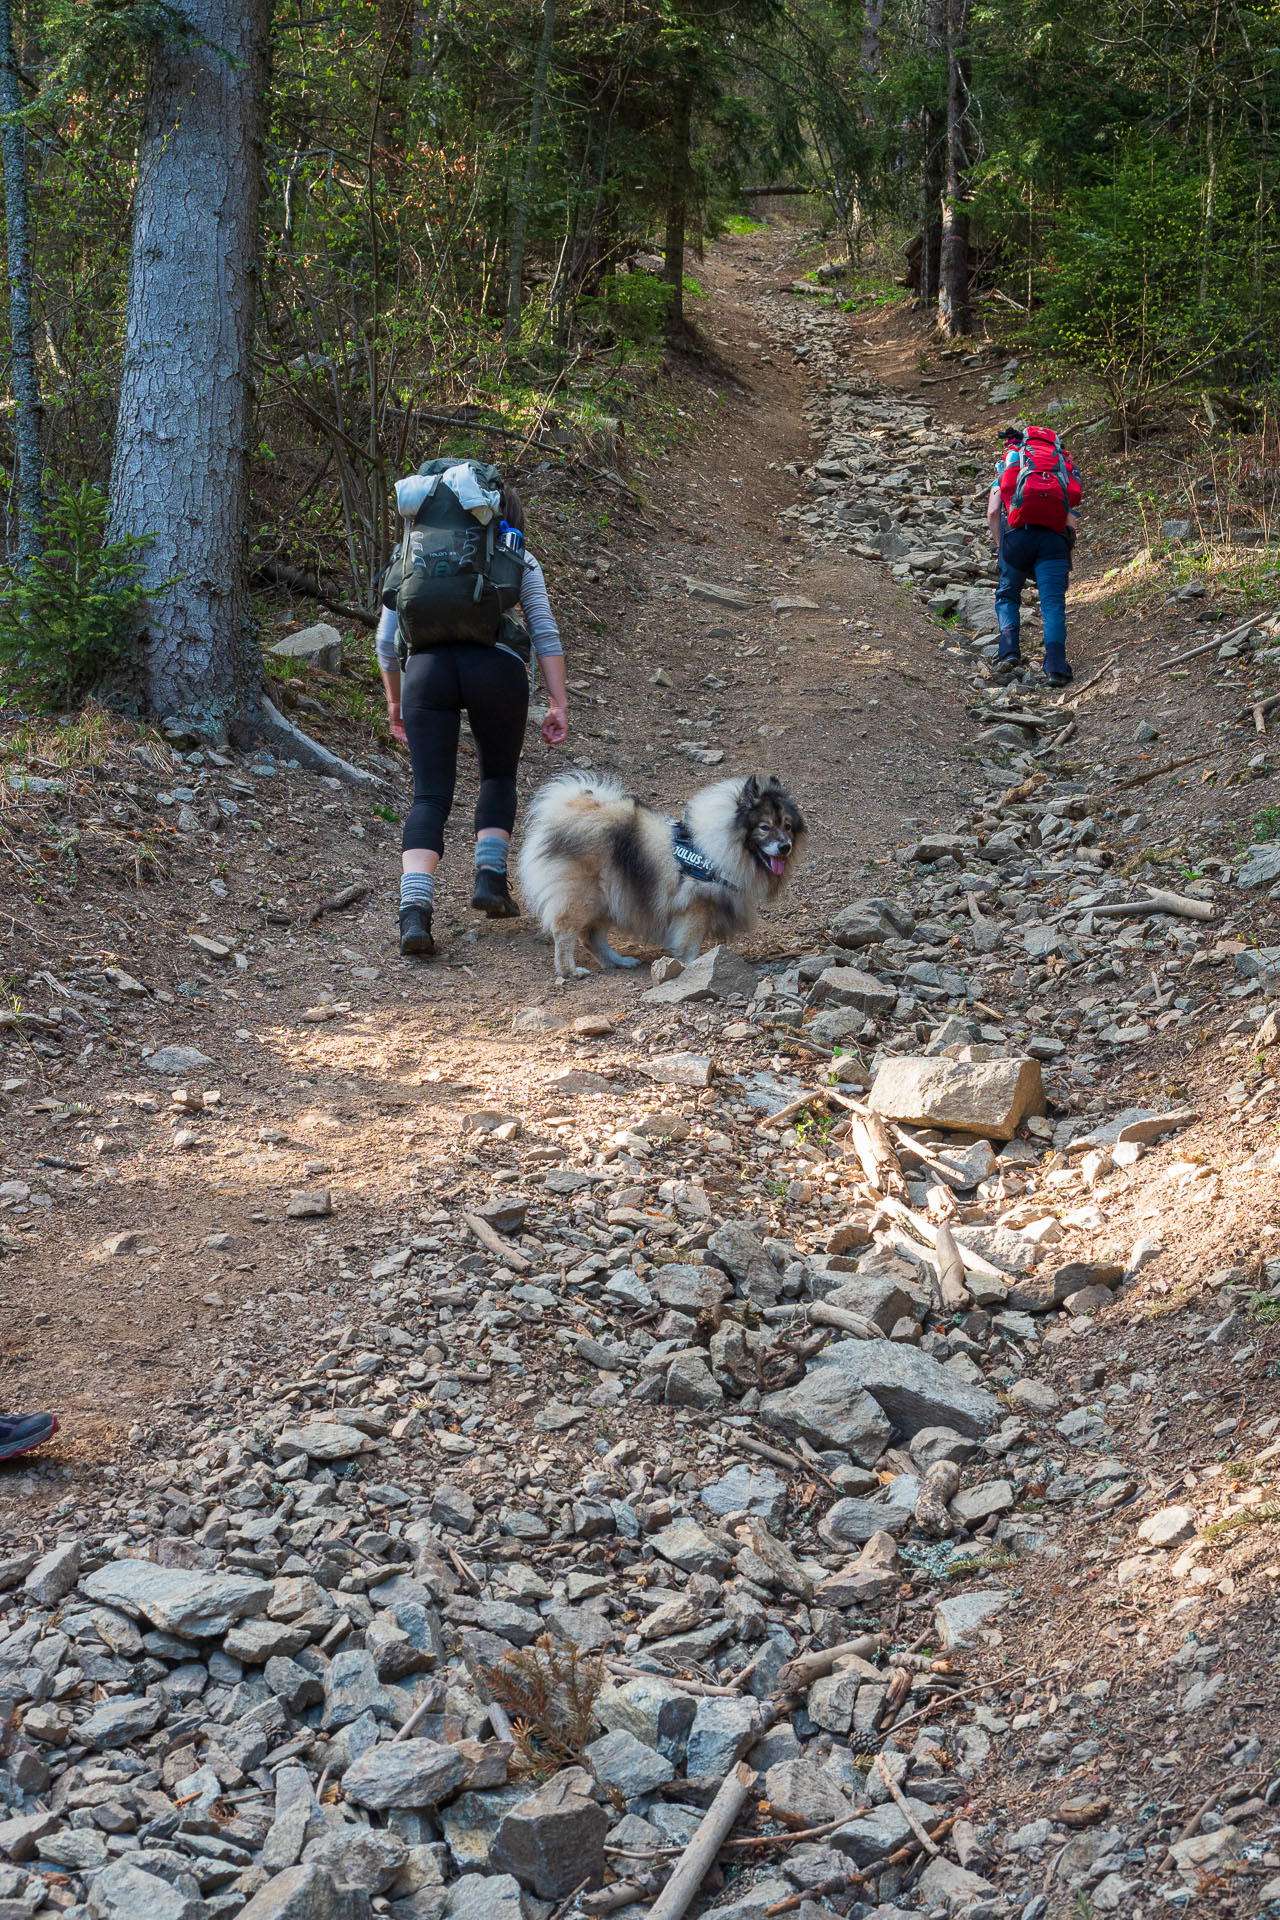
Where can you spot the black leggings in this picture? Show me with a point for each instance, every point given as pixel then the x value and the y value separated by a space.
pixel 493 686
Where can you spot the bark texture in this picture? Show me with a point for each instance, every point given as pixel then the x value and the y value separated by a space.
pixel 935 150
pixel 678 204
pixel 520 211
pixel 179 471
pixel 953 263
pixel 28 406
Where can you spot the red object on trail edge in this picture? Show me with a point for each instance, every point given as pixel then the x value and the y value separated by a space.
pixel 1038 484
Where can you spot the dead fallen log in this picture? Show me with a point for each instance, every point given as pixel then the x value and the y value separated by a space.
pixel 695 1862
pixel 338 901
pixel 278 573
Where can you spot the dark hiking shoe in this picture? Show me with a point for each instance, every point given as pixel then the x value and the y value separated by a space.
pixel 1059 679
pixel 493 896
pixel 1006 666
pixel 415 932
pixel 20 1432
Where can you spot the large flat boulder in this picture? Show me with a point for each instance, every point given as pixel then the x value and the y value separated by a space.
pixel 195 1606
pixel 912 1389
pixel 828 1409
pixel 990 1097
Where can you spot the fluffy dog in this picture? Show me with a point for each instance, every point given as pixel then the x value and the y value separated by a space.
pixel 594 858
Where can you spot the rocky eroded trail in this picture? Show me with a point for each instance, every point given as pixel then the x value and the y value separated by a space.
pixel 795 1434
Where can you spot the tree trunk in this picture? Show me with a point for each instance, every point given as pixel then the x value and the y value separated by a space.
pixel 29 408
pixel 182 429
pixel 520 211
pixel 935 145
pixel 953 262
pixel 678 205
pixel 872 25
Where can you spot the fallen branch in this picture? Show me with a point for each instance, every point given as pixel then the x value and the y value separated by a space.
pixel 1066 699
pixel 953 1294
pixel 799 1674
pixel 1261 708
pixel 1155 773
pixel 696 1860
pixel 1219 640
pixel 860 1876
pixel 899 1799
pixel 311 753
pixel 337 901
pixel 278 573
pixel 1158 901
pixel 823 1315
pixel 974 1262
pixel 873 1147
pixel 495 1244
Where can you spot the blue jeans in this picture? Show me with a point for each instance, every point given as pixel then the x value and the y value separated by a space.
pixel 1038 551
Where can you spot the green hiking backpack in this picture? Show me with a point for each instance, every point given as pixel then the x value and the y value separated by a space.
pixel 460 568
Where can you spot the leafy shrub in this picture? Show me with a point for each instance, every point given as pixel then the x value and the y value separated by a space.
pixel 629 307
pixel 67 618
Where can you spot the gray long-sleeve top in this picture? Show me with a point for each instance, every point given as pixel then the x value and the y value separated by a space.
pixel 533 603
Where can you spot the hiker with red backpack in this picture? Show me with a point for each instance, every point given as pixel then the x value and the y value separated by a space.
pixel 1031 511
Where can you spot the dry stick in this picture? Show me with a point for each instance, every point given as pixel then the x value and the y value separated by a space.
pixel 860 1877
pixel 961 1693
pixel 799 1675
pixel 899 1799
pixel 1261 708
pixel 1207 360
pixel 485 1234
pixel 823 1315
pixel 693 1865
pixel 1154 773
pixel 874 1149
pixel 699 1688
pixel 569 1899
pixel 1066 699
pixel 952 1289
pixel 974 1262
pixel 416 1718
pixel 1219 640
pixel 1159 901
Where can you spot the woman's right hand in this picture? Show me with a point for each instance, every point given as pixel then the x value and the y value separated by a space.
pixel 555 728
pixel 395 724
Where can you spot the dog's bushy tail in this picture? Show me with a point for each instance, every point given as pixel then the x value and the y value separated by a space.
pixel 565 818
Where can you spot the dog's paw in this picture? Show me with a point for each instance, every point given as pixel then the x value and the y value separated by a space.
pixel 572 973
pixel 622 960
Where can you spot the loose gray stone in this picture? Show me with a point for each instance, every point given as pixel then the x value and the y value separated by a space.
pixel 657 1713
pixel 367 1859
pixel 620 1761
pixel 686 1545
pixel 691 1383
pixel 486 1896
pixel 52 1578
pixel 828 1412
pixel 913 1389
pixel 1261 869
pixel 689 1289
pixel 553 1841
pixel 176 1060
pixel 805 1793
pixel 880 1831
pixel 721 1732
pixel 990 1097
pixel 322 1440
pixel 748 1490
pixel 852 987
pixel 959 1619
pixel 853 1522
pixel 125 1891
pixel 195 1606
pixel 404 1773
pixel 118 1723
pixel 306 1893
pixel 1171 1527
pixel 352 1687
pixel 715 975
pixel 742 1256
pixel 316 646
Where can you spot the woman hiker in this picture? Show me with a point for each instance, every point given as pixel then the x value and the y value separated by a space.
pixel 447 642
pixel 1031 511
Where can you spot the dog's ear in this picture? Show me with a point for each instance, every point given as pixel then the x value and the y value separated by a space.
pixel 751 788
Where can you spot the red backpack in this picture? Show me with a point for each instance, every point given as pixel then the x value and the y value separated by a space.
pixel 1039 486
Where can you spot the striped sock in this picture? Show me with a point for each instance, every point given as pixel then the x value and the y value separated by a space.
pixel 491 853
pixel 418 890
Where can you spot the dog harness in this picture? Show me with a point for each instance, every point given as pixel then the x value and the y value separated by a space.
pixel 694 862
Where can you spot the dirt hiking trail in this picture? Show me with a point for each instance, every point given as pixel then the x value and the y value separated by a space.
pixel 403 1316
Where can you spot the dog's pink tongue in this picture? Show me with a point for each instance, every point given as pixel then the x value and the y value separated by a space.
pixel 777 864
